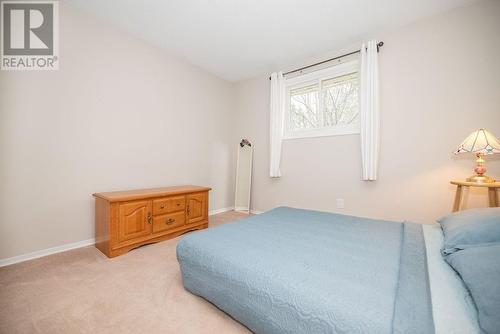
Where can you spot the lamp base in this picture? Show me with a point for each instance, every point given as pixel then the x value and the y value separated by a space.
pixel 480 179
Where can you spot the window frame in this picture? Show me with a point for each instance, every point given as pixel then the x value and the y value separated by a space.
pixel 317 77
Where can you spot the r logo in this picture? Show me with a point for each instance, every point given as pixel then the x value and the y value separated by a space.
pixel 28 29
pixel 29 34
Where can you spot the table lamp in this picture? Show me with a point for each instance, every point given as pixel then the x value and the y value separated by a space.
pixel 481 142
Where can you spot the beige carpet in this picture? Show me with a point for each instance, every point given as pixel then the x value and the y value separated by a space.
pixel 82 291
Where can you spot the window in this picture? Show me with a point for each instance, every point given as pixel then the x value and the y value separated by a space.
pixel 323 103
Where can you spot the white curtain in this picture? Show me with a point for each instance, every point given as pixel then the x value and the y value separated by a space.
pixel 276 122
pixel 370 114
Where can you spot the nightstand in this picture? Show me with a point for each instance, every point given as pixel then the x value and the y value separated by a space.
pixel 492 192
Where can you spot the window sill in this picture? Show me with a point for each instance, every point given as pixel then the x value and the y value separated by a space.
pixel 321 133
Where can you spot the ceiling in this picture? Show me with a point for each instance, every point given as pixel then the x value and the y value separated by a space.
pixel 241 39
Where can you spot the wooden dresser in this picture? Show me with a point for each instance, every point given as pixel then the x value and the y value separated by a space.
pixel 128 219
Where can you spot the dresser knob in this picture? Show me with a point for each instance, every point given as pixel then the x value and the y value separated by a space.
pixel 170 221
pixel 162 207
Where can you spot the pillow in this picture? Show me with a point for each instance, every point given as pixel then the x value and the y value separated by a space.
pixel 470 227
pixel 479 268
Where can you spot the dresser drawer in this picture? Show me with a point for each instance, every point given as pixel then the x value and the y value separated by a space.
pixel 169 204
pixel 168 221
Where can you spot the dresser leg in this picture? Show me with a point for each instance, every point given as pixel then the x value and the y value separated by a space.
pixel 492 195
pixel 458 199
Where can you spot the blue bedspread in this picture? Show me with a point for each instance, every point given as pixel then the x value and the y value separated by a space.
pixel 300 271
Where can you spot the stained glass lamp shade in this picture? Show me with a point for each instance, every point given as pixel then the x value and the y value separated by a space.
pixel 481 142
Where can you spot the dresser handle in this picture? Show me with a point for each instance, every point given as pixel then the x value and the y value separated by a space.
pixel 170 221
pixel 149 217
pixel 162 206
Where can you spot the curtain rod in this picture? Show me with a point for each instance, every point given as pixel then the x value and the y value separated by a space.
pixel 379 45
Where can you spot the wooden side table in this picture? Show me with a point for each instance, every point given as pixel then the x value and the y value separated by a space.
pixel 492 192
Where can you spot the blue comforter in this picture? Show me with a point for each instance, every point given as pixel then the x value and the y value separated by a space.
pixel 300 271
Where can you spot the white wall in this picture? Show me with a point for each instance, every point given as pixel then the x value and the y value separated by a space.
pixel 119 114
pixel 440 80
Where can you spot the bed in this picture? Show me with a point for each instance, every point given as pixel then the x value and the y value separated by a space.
pixel 300 271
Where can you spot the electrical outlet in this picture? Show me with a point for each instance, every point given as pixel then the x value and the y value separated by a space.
pixel 340 203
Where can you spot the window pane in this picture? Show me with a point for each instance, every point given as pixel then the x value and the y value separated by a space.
pixel 340 100
pixel 304 108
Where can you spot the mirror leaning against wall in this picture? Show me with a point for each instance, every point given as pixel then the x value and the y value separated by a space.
pixel 243 176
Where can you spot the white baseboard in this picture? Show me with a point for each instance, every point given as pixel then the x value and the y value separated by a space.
pixel 74 245
pixel 45 252
pixel 214 212
pixel 243 209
